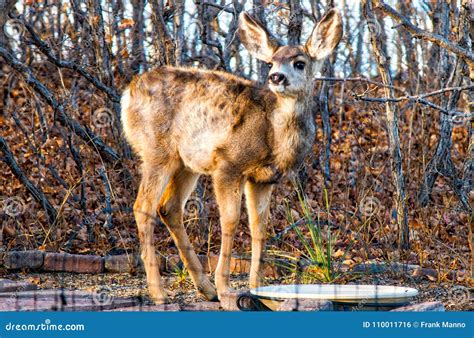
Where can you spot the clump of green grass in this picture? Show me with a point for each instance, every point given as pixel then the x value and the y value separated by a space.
pixel 313 262
pixel 181 274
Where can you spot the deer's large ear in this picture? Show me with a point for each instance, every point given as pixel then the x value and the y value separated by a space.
pixel 255 38
pixel 325 36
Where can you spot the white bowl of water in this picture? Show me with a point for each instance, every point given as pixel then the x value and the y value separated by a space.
pixel 343 296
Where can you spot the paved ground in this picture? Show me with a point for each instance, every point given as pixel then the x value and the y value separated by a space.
pixel 20 291
pixel 26 296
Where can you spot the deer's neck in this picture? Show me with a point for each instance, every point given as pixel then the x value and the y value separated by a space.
pixel 294 131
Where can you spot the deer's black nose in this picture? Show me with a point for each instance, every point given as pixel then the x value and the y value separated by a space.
pixel 277 78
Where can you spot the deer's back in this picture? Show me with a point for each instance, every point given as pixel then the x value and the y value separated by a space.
pixel 201 116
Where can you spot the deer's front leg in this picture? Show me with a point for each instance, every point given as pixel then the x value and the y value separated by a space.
pixel 258 205
pixel 228 192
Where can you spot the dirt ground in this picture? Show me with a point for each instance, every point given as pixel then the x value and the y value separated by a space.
pixel 181 290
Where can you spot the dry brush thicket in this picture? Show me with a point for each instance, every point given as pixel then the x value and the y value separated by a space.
pixel 392 166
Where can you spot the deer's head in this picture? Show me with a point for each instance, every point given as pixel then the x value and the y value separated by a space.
pixel 292 68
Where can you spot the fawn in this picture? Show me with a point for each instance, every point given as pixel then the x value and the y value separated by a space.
pixel 184 122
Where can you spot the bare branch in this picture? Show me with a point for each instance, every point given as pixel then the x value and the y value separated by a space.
pixel 46 50
pixel 422 34
pixel 36 192
pixel 86 135
pixel 396 162
pixel 222 8
pixel 359 79
pixel 417 98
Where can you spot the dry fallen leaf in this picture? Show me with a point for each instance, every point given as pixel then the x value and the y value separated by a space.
pixel 348 262
pixel 338 254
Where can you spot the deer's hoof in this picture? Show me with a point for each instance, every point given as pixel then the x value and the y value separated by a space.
pixel 159 296
pixel 229 298
pixel 206 288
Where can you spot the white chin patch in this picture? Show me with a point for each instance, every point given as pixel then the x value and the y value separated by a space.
pixel 277 88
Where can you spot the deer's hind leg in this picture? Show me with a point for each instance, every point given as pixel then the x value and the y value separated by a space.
pixel 153 183
pixel 171 209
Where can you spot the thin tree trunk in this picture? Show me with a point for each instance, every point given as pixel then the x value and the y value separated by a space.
pixel 117 9
pixel 102 50
pixel 325 158
pixel 138 50
pixel 259 11
pixel 296 23
pixel 230 43
pixel 164 40
pixel 392 126
pixel 441 163
pixel 359 45
pixel 410 51
pixel 179 32
pixel 468 172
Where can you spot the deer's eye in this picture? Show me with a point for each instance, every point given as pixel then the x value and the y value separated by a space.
pixel 299 65
pixel 270 65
